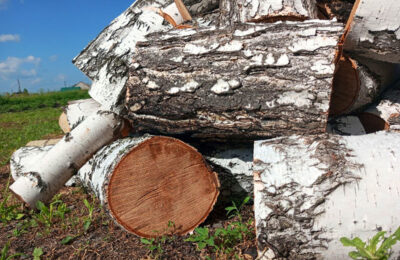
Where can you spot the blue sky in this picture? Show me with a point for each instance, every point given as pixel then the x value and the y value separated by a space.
pixel 39 39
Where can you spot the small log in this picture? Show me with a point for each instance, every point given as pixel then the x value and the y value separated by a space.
pixel 146 182
pixel 52 171
pixel 386 114
pixel 373 30
pixel 79 110
pixel 246 82
pixel 354 87
pixel 106 59
pixel 312 190
pixel 266 11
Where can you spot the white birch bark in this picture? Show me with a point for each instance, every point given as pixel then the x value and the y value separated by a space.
pixel 53 170
pixel 374 30
pixel 312 190
pixel 79 110
pixel 106 58
pixel 242 11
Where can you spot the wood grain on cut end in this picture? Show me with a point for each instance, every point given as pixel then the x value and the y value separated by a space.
pixel 63 123
pixel 372 123
pixel 346 86
pixel 161 181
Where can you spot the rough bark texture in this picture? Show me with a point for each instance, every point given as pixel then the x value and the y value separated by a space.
pixel 310 191
pixel 374 30
pixel 106 58
pixel 79 110
pixel 248 81
pixel 53 170
pixel 100 175
pixel 241 11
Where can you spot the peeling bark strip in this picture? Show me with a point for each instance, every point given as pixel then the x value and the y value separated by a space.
pixel 106 58
pixel 374 30
pixel 387 111
pixel 251 81
pixel 79 110
pixel 310 191
pixel 242 11
pixel 146 182
pixel 52 171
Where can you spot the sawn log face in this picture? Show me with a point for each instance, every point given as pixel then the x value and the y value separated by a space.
pixel 247 81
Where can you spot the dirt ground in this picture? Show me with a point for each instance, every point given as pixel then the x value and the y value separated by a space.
pixel 104 239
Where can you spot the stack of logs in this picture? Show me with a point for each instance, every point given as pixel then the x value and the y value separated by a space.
pixel 308 90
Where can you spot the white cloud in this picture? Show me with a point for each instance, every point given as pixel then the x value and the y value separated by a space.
pixel 9 37
pixel 12 65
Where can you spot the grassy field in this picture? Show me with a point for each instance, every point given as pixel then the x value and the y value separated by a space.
pixel 23 102
pixel 28 117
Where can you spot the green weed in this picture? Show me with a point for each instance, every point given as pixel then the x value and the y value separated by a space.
pixel 48 215
pixel 224 240
pixel 37 253
pixel 5 254
pixel 8 213
pixel 370 250
pixel 89 219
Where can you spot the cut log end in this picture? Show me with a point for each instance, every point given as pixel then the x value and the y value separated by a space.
pixel 346 86
pixel 168 177
pixel 373 123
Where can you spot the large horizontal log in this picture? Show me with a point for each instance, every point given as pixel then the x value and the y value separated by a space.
pixel 106 58
pixel 373 30
pixel 242 11
pixel 245 82
pixel 312 190
pixel 145 183
pixel 47 175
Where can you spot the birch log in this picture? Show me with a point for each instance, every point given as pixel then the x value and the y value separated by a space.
pixel 312 190
pixel 354 87
pixel 53 170
pixel 373 30
pixel 146 182
pixel 106 58
pixel 242 11
pixel 252 81
pixel 78 110
pixel 386 114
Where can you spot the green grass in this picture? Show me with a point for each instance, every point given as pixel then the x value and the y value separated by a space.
pixel 17 129
pixel 23 102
